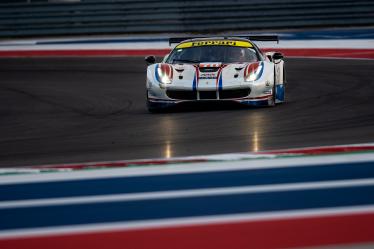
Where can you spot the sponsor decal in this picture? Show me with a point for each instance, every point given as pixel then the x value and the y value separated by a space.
pixel 267 92
pixel 208 76
pixel 207 43
pixel 233 43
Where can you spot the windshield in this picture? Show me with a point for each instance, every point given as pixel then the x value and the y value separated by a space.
pixel 224 54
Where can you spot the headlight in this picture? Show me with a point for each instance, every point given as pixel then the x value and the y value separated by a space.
pixel 164 73
pixel 253 71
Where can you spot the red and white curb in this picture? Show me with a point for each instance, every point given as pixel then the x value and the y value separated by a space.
pixel 338 152
pixel 340 48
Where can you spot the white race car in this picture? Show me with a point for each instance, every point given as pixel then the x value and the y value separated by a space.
pixel 216 69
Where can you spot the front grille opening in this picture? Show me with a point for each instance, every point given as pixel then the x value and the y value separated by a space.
pixel 208 94
pixel 234 94
pixel 208 69
pixel 185 95
pixel 223 94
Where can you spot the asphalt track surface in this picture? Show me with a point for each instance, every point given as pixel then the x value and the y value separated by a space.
pixel 65 110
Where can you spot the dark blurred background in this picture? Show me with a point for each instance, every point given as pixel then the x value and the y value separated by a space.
pixel 33 18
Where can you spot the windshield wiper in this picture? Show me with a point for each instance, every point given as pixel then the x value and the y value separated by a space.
pixel 188 61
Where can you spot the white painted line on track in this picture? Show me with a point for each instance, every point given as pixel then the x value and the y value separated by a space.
pixel 178 222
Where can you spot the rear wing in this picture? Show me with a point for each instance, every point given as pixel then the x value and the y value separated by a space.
pixel 249 37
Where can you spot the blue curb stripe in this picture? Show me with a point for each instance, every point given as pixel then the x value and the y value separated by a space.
pixel 126 211
pixel 121 185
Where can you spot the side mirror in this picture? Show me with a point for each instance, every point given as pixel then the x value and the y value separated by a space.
pixel 277 56
pixel 151 59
